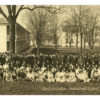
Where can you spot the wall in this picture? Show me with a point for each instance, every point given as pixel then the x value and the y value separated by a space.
pixel 22 39
pixel 3 38
pixel 47 42
pixel 62 39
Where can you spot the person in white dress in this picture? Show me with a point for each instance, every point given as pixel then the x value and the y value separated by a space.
pixel 58 76
pixel 94 74
pixel 72 77
pixel 50 77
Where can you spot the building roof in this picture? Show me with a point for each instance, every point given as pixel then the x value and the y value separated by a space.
pixel 3 21
pixel 22 27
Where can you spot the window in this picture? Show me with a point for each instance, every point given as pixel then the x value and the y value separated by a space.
pixel 7 45
pixel 8 29
pixel 67 40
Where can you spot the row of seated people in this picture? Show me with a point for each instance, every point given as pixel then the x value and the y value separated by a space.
pixel 50 73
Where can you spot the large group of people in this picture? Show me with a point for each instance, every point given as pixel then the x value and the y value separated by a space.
pixel 57 67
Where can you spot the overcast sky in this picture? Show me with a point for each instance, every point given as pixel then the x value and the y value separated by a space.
pixel 22 19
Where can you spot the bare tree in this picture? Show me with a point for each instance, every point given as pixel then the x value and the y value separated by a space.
pixel 76 26
pixel 79 18
pixel 82 25
pixel 92 31
pixel 11 17
pixel 40 25
pixel 66 27
pixel 55 28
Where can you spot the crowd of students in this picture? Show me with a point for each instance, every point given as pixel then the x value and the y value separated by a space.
pixel 51 68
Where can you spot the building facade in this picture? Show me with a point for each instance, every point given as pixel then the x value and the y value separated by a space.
pixel 22 37
pixel 66 38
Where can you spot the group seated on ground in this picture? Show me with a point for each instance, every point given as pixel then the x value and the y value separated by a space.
pixel 50 68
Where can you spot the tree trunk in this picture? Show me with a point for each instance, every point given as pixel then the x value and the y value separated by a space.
pixel 81 41
pixel 38 47
pixel 77 43
pixel 70 44
pixel 93 42
pixel 89 44
pixel 84 44
pixel 56 43
pixel 92 45
pixel 55 46
pixel 55 39
pixel 12 36
pixel 38 51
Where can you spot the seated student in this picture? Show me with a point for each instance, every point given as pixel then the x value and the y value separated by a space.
pixel 94 73
pixel 50 77
pixel 35 75
pixel 30 75
pixel 63 76
pixel 20 74
pixel 82 75
pixel 88 69
pixel 28 68
pixel 77 70
pixel 14 75
pixel 72 77
pixel 42 73
pixel 60 76
pixel 8 76
pixel 85 75
pixel 1 74
pixel 98 73
pixel 42 76
pixel 43 68
pixel 23 74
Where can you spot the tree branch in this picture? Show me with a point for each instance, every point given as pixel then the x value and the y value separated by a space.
pixel 14 10
pixel 9 10
pixel 48 8
pixel 19 10
pixel 2 13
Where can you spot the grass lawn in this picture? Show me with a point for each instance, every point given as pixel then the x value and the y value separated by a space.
pixel 45 88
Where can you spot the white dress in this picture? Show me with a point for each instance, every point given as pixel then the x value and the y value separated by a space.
pixel 50 77
pixel 71 77
pixel 58 77
pixel 63 77
pixel 94 74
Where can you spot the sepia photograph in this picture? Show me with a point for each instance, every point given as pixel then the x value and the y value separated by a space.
pixel 49 49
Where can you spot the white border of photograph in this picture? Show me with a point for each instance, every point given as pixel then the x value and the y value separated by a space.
pixel 49 2
pixel 50 97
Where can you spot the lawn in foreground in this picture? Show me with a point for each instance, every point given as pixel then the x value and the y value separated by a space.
pixel 45 88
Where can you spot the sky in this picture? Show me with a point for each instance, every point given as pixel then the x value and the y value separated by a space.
pixel 22 19
pixel 63 16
